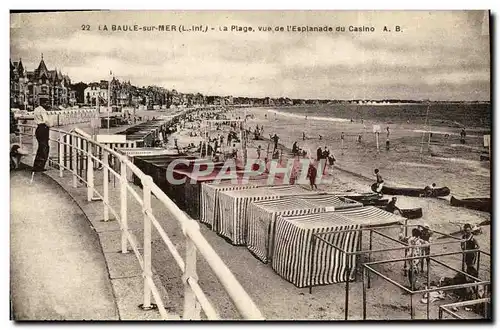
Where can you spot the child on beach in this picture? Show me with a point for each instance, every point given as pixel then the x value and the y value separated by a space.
pixel 414 241
pixel 258 152
pixel 380 181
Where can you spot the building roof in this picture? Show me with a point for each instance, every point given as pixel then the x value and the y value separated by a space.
pixel 42 68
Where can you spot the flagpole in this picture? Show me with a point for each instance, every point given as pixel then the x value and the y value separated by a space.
pixel 109 95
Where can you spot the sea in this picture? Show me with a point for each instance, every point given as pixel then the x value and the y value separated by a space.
pixel 468 115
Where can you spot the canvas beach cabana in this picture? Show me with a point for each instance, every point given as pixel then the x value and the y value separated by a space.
pixel 296 259
pixel 191 189
pixel 233 207
pixel 261 218
pixel 209 208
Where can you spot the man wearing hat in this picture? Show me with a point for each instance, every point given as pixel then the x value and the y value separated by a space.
pixel 426 234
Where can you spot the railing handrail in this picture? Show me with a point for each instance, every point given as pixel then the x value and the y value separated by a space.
pixel 243 302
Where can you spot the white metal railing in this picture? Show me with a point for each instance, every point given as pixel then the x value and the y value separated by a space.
pixel 195 299
pixel 70 117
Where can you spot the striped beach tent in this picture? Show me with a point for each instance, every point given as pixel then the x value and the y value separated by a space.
pixel 261 217
pixel 371 216
pixel 209 209
pixel 233 208
pixel 305 261
pixel 330 201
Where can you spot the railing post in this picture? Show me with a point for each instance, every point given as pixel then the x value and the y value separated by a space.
pixel 191 306
pixel 147 182
pixel 61 154
pixel 105 194
pixel 90 172
pixel 74 145
pixel 123 203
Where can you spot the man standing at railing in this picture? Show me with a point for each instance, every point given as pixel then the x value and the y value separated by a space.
pixel 41 118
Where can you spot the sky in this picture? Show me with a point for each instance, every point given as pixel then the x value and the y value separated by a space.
pixel 437 55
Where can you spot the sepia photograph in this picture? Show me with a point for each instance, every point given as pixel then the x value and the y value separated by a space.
pixel 278 165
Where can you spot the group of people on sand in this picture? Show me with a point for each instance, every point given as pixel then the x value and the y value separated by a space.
pixel 326 155
pixel 420 249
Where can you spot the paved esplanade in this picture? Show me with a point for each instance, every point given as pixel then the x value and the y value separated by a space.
pixel 58 271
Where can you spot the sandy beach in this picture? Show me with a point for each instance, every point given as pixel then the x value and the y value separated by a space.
pixel 353 172
pixel 402 165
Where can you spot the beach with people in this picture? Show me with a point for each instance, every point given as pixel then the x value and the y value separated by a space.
pixel 353 172
pixel 409 162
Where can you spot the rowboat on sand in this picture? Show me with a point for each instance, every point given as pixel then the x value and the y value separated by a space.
pixel 413 192
pixel 480 204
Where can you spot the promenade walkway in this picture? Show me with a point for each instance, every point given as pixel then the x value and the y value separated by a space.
pixel 58 271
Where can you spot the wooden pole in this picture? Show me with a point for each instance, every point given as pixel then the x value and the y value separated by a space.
pixel 369 257
pixel 346 304
pixel 364 293
pixel 423 134
pixel 313 247
pixel 411 305
pixel 428 287
pixel 376 137
pixel 429 142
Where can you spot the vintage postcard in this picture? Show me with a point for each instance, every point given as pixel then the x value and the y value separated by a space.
pixel 250 165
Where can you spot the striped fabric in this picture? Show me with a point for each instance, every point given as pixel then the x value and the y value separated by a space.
pixel 261 218
pixel 232 210
pixel 371 216
pixel 330 201
pixel 210 200
pixel 233 207
pixel 299 261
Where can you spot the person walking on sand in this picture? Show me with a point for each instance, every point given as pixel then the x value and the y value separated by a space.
pixel 258 152
pixel 380 181
pixel 275 140
pixel 325 155
pixel 311 175
pixel 295 149
pixel 342 142
pixel 303 136
pixel 463 134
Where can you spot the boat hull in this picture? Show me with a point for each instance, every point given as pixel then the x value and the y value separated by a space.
pixel 412 192
pixel 479 204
